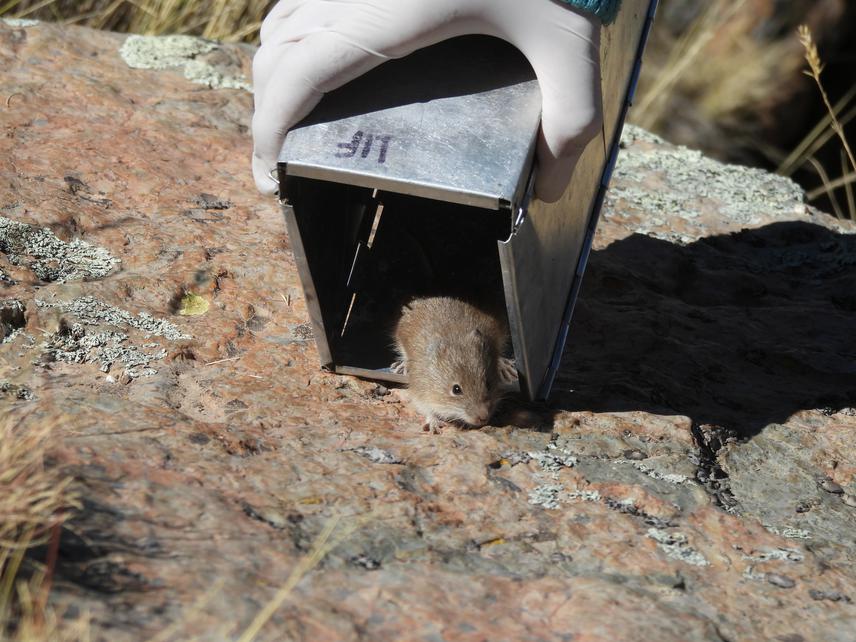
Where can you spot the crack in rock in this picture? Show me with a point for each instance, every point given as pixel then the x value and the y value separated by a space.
pixel 629 507
pixel 12 320
pixel 54 259
pixel 710 440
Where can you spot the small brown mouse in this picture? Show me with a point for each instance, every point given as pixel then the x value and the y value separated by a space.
pixel 452 354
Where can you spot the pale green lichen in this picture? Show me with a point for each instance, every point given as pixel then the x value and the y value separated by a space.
pixel 776 554
pixel 788 533
pixel 51 258
pixel 547 495
pixel 20 22
pixel 676 546
pixel 162 52
pixel 91 311
pixel 690 184
pixel 73 344
pixel 202 73
pixel 76 343
pixel 179 52
pixel 653 473
pixel 586 496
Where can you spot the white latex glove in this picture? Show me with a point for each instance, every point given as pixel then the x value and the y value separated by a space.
pixel 311 47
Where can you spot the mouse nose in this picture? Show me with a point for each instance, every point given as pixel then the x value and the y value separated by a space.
pixel 481 415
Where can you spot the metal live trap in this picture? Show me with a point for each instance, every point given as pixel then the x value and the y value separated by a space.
pixel 416 180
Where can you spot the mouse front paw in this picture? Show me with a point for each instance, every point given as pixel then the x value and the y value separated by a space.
pixel 432 425
pixel 398 367
pixel 507 370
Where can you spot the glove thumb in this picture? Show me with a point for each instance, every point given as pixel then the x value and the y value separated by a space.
pixel 571 111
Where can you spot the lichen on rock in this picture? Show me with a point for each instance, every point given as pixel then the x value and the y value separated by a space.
pixel 91 311
pixel 20 22
pixel 690 181
pixel 676 546
pixel 698 370
pixel 72 344
pixel 49 257
pixel 179 51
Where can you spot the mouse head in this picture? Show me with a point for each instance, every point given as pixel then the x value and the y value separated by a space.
pixel 460 382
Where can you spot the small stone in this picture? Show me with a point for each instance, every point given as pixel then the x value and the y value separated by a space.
pixel 803 507
pixel 366 562
pixel 831 487
pixel 850 500
pixel 125 378
pixel 380 391
pixel 635 455
pixel 832 596
pixel 376 455
pixel 110 379
pixel 782 581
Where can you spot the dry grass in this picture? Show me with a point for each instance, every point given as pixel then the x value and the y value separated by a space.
pixel 714 83
pixel 829 126
pixel 36 499
pixel 34 502
pixel 714 68
pixel 226 20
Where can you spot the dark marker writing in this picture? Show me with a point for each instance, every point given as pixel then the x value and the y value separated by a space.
pixel 368 146
pixel 352 147
pixel 360 138
pixel 384 145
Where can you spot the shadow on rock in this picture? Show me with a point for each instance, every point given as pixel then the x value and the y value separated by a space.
pixel 738 330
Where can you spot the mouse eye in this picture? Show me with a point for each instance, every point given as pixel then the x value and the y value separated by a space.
pixel 456 390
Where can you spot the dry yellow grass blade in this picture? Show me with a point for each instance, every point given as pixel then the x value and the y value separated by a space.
pixel 227 20
pixel 815 64
pixel 842 181
pixel 324 543
pixel 32 496
pixel 686 55
pixel 826 188
pixel 320 548
pixel 34 501
pixel 818 136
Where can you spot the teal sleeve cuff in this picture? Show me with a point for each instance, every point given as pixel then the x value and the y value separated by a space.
pixel 606 10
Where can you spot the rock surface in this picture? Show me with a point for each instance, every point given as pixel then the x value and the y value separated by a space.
pixel 692 480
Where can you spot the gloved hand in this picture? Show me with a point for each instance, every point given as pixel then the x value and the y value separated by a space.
pixel 311 47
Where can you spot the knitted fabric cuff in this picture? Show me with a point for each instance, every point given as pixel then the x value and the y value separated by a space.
pixel 606 10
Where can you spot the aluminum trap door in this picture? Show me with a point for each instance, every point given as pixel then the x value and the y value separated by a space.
pixel 454 122
pixel 544 260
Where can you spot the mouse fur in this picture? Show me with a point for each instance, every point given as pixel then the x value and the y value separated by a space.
pixel 452 352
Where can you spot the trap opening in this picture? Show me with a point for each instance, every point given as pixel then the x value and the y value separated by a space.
pixel 368 252
pixel 416 180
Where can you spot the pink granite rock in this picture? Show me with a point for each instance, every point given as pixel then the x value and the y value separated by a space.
pixel 690 480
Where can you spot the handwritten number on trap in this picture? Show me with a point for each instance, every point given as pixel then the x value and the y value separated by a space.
pixel 364 144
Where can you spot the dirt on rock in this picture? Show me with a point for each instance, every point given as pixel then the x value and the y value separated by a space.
pixel 692 479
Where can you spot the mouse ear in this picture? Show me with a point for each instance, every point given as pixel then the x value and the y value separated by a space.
pixel 478 335
pixel 434 347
